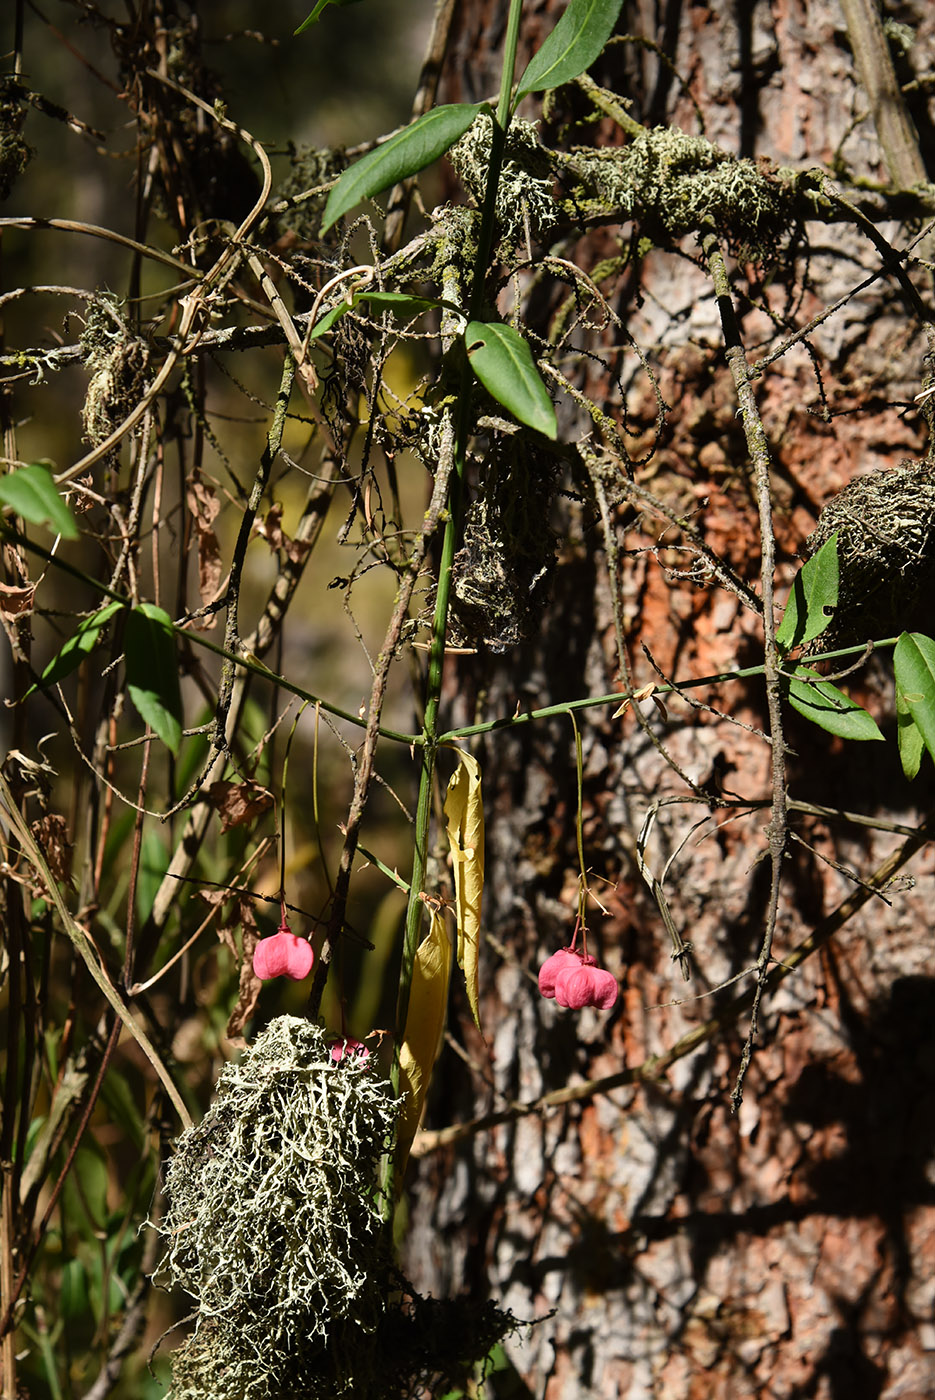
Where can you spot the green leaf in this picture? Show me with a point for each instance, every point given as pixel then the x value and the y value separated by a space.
pixel 86 1185
pixel 822 703
pixel 404 154
pixel 908 736
pixel 400 303
pixel 73 1301
pixel 502 361
pixel 77 647
pixel 154 862
pixel 152 672
pixel 314 17
pixel 572 47
pixel 813 598
pixel 914 672
pixel 32 494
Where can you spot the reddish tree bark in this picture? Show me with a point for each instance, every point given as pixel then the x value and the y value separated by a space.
pixel 666 1246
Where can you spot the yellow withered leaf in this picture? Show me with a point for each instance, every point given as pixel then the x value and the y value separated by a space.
pixel 464 817
pixel 425 1022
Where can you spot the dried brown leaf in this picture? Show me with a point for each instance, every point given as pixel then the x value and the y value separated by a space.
pixel 239 803
pixel 250 984
pixel 51 836
pixel 276 537
pixel 204 507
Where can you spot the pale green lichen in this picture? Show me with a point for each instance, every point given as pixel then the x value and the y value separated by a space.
pixel 526 192
pixel 673 184
pixel 275 1229
pixel 118 360
pixel 274 1222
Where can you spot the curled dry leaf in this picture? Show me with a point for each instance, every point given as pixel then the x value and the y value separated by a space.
pixel 51 836
pixel 204 507
pixel 239 803
pixel 16 605
pixel 276 537
pixel 464 819
pixel 425 1022
pixel 241 916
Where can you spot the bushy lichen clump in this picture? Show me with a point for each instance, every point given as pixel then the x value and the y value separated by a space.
pixel 15 151
pixel 274 1222
pixel 525 194
pixel 885 528
pixel 674 184
pixel 117 359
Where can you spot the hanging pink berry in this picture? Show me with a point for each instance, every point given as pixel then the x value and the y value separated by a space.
pixel 586 985
pixel 575 980
pixel 566 959
pixel 283 955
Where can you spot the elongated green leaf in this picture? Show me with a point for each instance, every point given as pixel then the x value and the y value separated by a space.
pixel 404 154
pixel 400 303
pixel 32 494
pixel 464 819
pixel 314 17
pixel 425 1021
pixel 502 361
pixel 152 672
pixel 572 47
pixel 914 671
pixel 77 647
pixel 822 703
pixel 813 598
pixel 908 736
pixel 154 862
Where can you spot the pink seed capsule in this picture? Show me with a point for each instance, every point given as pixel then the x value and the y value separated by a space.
pixel 566 959
pixel 283 955
pixel 586 986
pixel 346 1047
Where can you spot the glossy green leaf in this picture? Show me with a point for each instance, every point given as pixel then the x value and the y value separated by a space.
pixel 152 672
pixel 914 672
pixel 908 736
pixel 502 361
pixel 404 154
pixel 813 598
pixel 400 303
pixel 316 14
pixel 822 703
pixel 33 495
pixel 572 47
pixel 77 647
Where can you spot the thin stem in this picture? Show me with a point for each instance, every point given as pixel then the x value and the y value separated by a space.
pixel 579 821
pixel 450 543
pixel 758 448
pixel 655 1067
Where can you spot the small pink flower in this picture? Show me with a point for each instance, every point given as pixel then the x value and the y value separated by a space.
pixel 566 959
pixel 283 955
pixel 347 1046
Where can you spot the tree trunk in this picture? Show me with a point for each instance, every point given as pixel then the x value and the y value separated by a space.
pixel 663 1244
